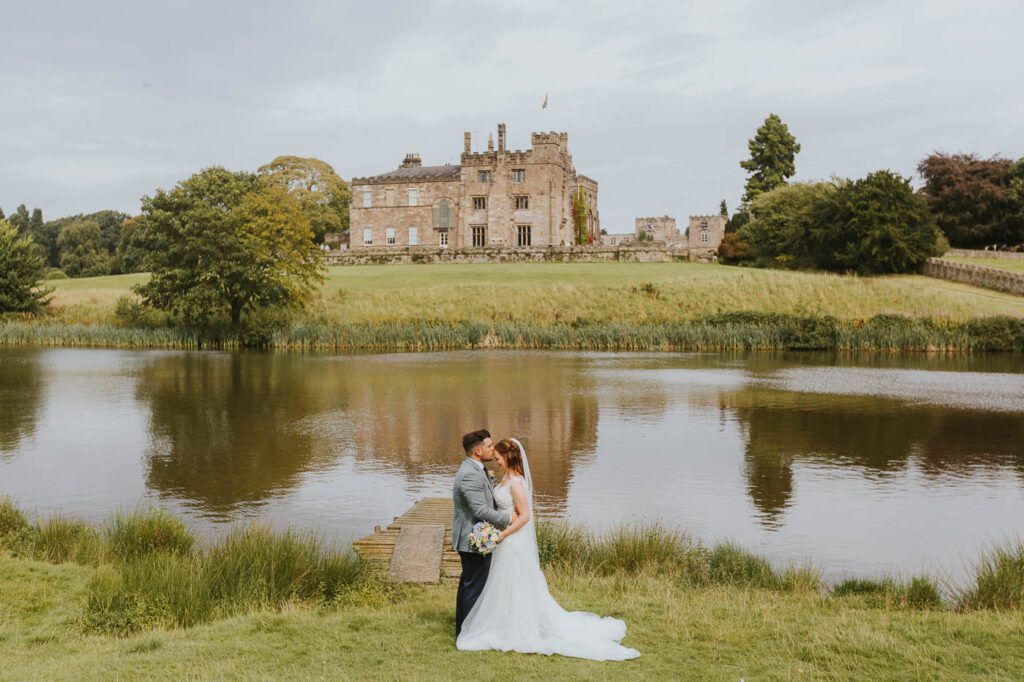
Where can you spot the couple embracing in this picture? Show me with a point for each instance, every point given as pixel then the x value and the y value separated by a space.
pixel 503 601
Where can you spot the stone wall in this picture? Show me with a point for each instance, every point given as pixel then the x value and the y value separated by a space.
pixel 631 253
pixel 989 278
pixel 972 253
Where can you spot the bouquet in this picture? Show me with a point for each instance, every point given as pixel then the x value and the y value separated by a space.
pixel 483 538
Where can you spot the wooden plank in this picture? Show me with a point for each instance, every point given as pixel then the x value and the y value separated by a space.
pixel 379 549
pixel 417 557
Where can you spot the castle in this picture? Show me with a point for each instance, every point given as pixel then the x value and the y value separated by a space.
pixel 500 197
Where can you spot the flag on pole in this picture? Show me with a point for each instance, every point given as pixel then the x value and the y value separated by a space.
pixel 545 105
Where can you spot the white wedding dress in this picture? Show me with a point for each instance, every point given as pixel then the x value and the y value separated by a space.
pixel 515 611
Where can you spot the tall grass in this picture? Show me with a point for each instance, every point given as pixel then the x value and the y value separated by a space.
pixel 130 536
pixel 917 593
pixel 999 581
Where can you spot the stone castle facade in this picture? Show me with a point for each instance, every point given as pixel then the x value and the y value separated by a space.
pixel 499 197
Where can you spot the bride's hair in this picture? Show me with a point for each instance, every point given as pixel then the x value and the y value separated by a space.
pixel 512 454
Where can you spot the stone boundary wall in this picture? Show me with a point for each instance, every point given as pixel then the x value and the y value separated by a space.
pixel 979 276
pixel 627 253
pixel 998 255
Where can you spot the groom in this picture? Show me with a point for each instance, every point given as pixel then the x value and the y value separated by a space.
pixel 474 501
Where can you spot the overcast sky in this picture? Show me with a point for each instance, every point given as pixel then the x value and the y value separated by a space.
pixel 103 102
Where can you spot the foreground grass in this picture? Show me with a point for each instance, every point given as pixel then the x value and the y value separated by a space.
pixel 1013 265
pixel 715 632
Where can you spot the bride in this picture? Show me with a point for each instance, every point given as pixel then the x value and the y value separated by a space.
pixel 515 611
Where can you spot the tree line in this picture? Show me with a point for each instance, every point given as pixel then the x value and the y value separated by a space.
pixel 872 225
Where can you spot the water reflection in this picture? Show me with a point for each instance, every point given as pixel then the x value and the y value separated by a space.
pixel 22 388
pixel 233 430
pixel 877 436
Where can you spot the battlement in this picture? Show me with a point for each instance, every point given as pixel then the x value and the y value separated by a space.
pixel 713 216
pixel 561 139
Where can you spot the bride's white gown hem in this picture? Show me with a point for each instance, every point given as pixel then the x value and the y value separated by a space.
pixel 516 612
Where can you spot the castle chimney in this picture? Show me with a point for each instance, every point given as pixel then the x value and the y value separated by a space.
pixel 490 142
pixel 411 161
pixel 467 143
pixel 501 137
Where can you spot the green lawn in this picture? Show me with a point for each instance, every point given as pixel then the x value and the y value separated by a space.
pixel 683 633
pixel 596 292
pixel 997 263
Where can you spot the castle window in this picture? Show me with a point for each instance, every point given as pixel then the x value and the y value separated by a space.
pixel 367 236
pixel 484 176
pixel 518 175
pixel 523 235
pixel 367 198
pixel 414 236
pixel 444 215
pixel 389 236
pixel 479 235
pixel 522 202
pixel 414 196
pixel 442 238
pixel 704 239
pixel 479 203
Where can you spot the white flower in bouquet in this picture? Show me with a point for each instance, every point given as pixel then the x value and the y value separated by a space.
pixel 483 538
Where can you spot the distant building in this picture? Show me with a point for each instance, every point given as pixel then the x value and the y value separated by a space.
pixel 497 197
pixel 704 233
pixel 662 229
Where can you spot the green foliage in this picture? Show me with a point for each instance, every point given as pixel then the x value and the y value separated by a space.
pixel 222 243
pixel 999 581
pixel 130 253
pixel 14 524
pixel 59 539
pixel 773 152
pixel 323 195
pixel 130 536
pixel 579 217
pixel 723 210
pixel 733 250
pixel 22 269
pixel 918 593
pixel 783 219
pixel 876 225
pixel 976 202
pixel 82 251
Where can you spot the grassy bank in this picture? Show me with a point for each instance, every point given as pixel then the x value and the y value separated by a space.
pixel 1010 264
pixel 84 602
pixel 615 306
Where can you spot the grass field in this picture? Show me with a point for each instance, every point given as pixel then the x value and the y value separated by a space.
pixel 998 263
pixel 715 632
pixel 628 292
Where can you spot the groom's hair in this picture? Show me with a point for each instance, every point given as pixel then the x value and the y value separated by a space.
pixel 473 439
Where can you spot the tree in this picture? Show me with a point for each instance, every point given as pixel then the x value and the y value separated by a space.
pixel 21 272
pixel 109 222
pixel 772 158
pixel 82 253
pixel 226 243
pixel 875 225
pixel 723 210
pixel 130 254
pixel 733 249
pixel 20 219
pixel 323 195
pixel 781 223
pixel 2 216
pixel 972 199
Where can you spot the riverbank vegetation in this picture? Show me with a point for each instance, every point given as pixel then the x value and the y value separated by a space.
pixel 616 306
pixel 139 596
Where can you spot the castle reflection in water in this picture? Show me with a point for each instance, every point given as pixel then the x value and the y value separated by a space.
pixel 236 429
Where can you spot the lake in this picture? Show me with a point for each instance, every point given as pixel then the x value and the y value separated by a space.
pixel 861 464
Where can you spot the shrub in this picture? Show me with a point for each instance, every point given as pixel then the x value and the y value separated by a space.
pixel 919 593
pixel 733 250
pixel 60 539
pixel 733 565
pixel 135 535
pixel 781 224
pixel 55 273
pixel 130 311
pixel 22 269
pixel 14 526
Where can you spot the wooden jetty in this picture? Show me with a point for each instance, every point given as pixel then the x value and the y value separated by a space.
pixel 416 546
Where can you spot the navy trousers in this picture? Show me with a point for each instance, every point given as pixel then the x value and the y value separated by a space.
pixel 475 568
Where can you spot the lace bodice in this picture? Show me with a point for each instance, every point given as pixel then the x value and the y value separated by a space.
pixel 503 495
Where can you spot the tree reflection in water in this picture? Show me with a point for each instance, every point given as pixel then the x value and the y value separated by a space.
pixel 229 430
pixel 22 392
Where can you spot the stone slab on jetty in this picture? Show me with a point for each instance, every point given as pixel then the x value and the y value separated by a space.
pixel 417 555
pixel 379 548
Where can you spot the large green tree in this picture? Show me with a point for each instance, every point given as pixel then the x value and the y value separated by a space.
pixel 323 195
pixel 226 243
pixel 973 199
pixel 22 269
pixel 82 251
pixel 875 225
pixel 781 224
pixel 773 151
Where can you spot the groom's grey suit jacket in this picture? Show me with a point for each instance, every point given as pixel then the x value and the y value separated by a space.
pixel 473 500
